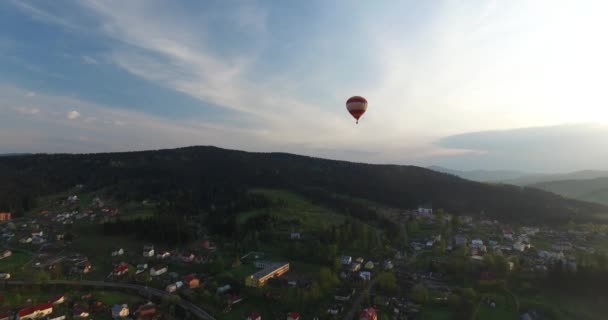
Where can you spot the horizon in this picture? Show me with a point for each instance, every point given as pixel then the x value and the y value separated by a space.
pixel 483 85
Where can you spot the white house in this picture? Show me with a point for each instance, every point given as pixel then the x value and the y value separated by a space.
pixel 426 210
pixel 5 275
pixel 148 251
pixel 158 270
pixel 5 254
pixel 118 252
pixel 141 268
pixel 26 240
pixel 295 236
pixel 163 255
pixel 477 243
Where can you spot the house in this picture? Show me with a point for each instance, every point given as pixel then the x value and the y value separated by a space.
pixel 259 278
pixel 121 269
pixel 368 314
pixel 365 275
pixel 141 268
pixel 346 260
pixel 295 236
pixel 5 275
pixel 26 240
pixel 35 312
pixel 293 316
pixel 335 309
pixel 476 243
pixel 148 251
pixel 521 246
pixel 507 233
pixel 174 286
pixel 369 265
pixel 118 252
pixel 84 267
pixel 187 257
pixel 5 316
pixel 80 313
pixel 223 289
pixel 425 211
pixel 360 260
pixel 5 216
pixel 191 281
pixel 465 219
pixel 158 270
pixel 388 265
pixel 38 240
pixel 120 311
pixel 344 294
pixel 59 236
pixel 146 310
pixel 429 244
pixel 5 254
pixel 355 267
pixel 459 240
pixel 57 300
pixel 254 316
pixel 73 198
pixel 163 255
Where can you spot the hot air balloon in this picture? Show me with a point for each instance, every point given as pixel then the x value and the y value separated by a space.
pixel 356 106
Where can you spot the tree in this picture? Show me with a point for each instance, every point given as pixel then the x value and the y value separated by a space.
pixel 327 279
pixel 387 282
pixel 420 294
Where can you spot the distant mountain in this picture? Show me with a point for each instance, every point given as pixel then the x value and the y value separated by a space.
pixel 592 190
pixel 539 178
pixel 13 154
pixel 482 175
pixel 195 179
pixel 520 178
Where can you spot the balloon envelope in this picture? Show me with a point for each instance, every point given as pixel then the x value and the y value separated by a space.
pixel 356 106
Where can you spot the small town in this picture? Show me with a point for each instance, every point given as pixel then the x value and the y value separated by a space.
pixel 434 265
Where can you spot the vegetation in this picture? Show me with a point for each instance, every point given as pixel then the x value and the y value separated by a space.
pixel 211 180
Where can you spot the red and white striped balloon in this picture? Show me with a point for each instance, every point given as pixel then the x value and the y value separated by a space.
pixel 356 106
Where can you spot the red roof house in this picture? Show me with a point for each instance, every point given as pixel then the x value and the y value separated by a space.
pixel 293 316
pixel 368 314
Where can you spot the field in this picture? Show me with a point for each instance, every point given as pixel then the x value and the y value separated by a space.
pixel 15 264
pixel 501 312
pixel 309 216
pixel 435 313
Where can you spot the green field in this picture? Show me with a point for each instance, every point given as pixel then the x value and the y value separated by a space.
pixel 15 264
pixel 435 313
pixel 110 298
pixel 307 215
pixel 501 312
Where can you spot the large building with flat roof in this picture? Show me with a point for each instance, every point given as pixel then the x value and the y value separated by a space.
pixel 270 270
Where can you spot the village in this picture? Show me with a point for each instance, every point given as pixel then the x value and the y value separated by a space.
pixel 444 257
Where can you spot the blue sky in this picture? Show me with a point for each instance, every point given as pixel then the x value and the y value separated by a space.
pixel 96 76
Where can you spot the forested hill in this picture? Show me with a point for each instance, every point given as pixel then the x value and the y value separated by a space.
pixel 202 177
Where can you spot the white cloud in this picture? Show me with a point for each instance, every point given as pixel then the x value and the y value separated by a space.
pixel 73 115
pixel 89 60
pixel 27 110
pixel 31 94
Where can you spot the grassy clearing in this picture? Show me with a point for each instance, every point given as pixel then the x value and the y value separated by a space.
pixel 435 313
pixel 501 312
pixel 306 214
pixel 15 264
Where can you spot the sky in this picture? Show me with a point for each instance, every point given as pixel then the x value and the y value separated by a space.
pixel 465 84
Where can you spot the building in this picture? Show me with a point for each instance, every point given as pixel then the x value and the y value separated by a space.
pixel 57 299
pixel 5 254
pixel 5 275
pixel 259 278
pixel 120 311
pixel 146 310
pixel 368 314
pixel 158 270
pixel 148 251
pixel 254 316
pixel 35 312
pixel 121 269
pixel 295 236
pixel 5 216
pixel 118 252
pixel 425 210
pixel 346 260
pixel 293 316
pixel 192 281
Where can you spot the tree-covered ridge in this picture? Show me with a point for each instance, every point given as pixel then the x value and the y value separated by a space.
pixel 197 179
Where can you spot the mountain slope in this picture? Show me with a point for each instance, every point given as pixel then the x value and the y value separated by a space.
pixel 482 175
pixel 592 190
pixel 199 178
pixel 520 178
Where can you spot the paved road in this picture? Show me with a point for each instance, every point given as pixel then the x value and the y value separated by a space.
pixel 186 305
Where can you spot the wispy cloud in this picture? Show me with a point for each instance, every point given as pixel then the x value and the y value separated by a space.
pixel 27 110
pixel 89 60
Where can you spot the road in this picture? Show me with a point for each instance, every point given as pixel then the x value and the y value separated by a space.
pixel 350 315
pixel 186 305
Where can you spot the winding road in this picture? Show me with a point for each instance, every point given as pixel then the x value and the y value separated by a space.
pixel 186 305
